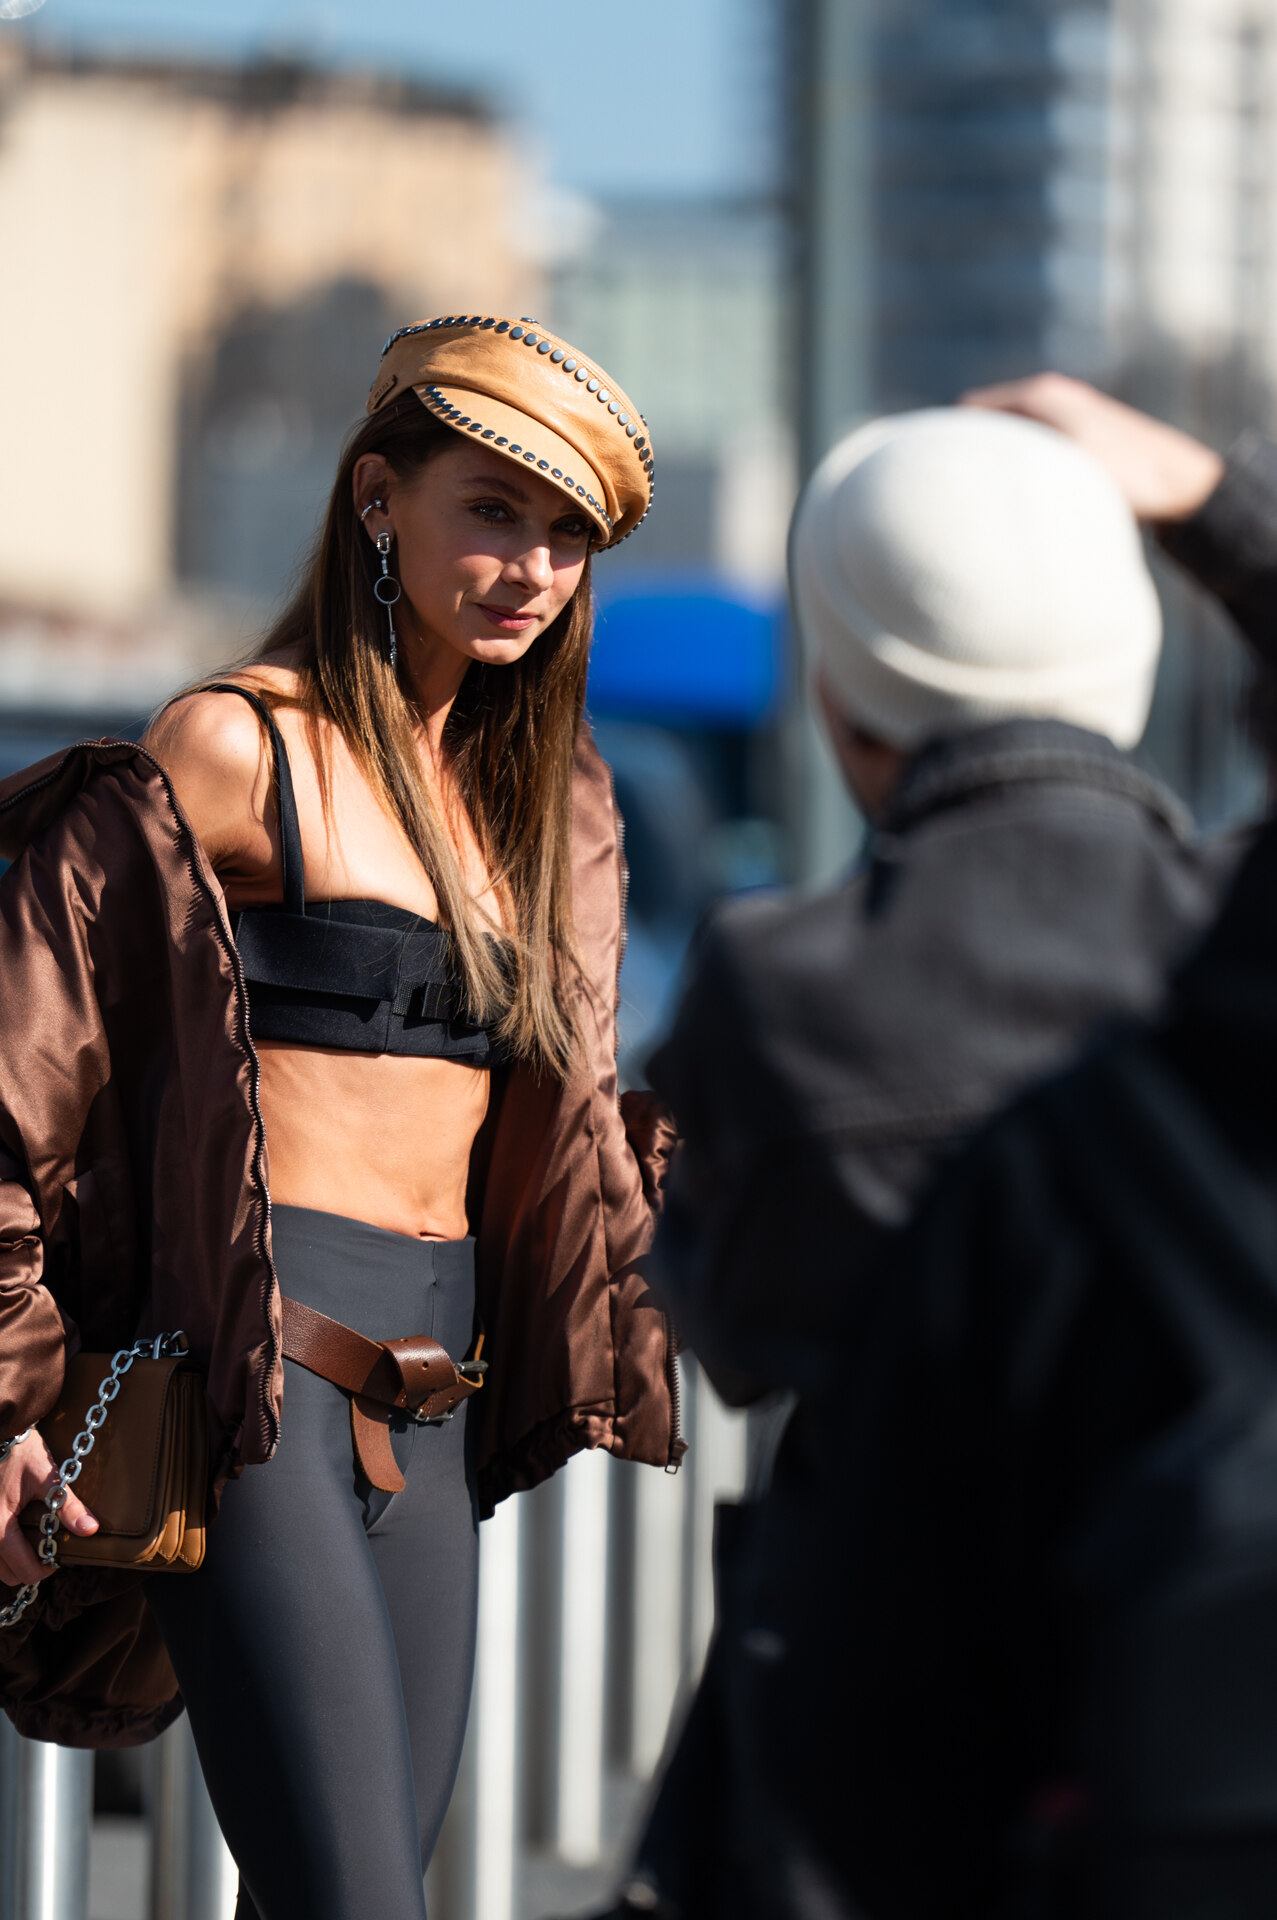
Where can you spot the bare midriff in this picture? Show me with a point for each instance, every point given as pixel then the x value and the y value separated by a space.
pixel 378 1137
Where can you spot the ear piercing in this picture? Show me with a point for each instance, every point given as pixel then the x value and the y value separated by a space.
pixel 387 590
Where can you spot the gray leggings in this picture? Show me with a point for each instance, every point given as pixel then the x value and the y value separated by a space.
pixel 325 1648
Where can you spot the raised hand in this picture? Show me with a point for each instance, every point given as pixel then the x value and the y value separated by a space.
pixel 1165 474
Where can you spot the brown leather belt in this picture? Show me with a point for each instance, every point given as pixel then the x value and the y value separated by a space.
pixel 414 1376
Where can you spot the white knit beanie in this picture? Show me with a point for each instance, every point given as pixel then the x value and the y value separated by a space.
pixel 956 566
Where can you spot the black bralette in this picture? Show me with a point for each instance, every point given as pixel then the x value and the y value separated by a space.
pixel 359 975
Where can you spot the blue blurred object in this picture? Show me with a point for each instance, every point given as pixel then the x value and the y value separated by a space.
pixel 690 655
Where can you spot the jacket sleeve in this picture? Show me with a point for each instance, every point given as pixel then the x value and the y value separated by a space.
pixel 32 1335
pixel 760 1240
pixel 1230 544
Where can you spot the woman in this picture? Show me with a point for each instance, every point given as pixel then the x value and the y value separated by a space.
pixel 415 841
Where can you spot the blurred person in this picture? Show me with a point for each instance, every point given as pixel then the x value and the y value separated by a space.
pixel 357 904
pixel 1008 1637
pixel 984 636
pixel 998 1641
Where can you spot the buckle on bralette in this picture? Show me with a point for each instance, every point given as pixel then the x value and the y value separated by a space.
pixel 428 1000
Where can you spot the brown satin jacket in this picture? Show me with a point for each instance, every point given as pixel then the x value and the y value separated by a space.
pixel 134 1199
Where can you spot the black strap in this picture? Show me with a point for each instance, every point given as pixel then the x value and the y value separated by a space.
pixel 290 838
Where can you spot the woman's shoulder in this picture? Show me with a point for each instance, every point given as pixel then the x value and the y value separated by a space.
pixel 211 746
pixel 214 728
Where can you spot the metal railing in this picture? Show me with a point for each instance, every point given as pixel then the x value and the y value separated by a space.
pixel 46 1802
pixel 595 1609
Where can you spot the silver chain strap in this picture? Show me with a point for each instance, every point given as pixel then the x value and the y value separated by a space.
pixel 165 1346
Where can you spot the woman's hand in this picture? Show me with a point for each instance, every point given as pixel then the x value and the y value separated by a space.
pixel 1165 474
pixel 25 1477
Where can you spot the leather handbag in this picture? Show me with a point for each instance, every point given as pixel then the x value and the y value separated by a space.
pixel 131 1431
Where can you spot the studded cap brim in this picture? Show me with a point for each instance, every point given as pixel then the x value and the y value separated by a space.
pixel 527 443
pixel 518 384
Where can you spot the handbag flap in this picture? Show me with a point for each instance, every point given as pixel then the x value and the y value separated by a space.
pixel 118 1480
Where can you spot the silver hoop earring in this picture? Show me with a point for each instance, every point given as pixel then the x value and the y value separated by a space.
pixel 387 590
pixel 368 509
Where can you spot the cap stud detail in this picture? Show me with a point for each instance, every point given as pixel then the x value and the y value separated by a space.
pixel 422 326
pixel 558 356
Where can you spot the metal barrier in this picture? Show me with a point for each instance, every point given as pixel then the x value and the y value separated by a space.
pixel 46 1801
pixel 595 1608
pixel 192 1874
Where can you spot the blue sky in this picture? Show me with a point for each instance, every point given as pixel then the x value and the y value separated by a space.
pixel 661 96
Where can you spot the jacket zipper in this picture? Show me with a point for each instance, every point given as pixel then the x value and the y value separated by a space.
pixel 269 1426
pixel 624 867
pixel 677 1445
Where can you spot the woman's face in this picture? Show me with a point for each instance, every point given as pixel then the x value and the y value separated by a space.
pixel 487 555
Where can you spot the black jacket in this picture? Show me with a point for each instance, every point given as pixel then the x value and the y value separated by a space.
pixel 1003 1637
pixel 1029 882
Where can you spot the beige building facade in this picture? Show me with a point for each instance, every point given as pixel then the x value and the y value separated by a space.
pixel 199 268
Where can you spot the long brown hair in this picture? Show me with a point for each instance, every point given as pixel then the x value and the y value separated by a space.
pixel 508 745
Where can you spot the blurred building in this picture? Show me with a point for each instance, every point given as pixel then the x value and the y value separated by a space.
pixel 1081 185
pixel 684 302
pixel 201 264
pixel 983 189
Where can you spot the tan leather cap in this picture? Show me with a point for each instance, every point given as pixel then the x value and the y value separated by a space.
pixel 533 398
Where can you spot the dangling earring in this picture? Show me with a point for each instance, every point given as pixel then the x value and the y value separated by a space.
pixel 387 590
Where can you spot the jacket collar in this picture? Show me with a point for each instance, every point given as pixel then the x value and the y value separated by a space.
pixel 946 772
